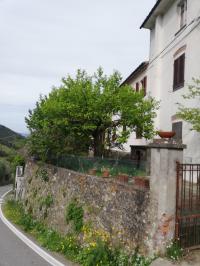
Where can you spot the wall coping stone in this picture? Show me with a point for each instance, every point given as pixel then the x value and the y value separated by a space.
pixel 169 146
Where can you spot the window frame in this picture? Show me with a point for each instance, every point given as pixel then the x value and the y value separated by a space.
pixel 183 13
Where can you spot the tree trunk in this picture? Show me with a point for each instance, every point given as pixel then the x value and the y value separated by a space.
pixel 99 139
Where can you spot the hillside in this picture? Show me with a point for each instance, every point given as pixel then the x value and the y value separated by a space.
pixel 10 142
pixel 8 137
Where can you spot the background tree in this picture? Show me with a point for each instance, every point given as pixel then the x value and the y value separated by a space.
pixel 88 111
pixel 191 115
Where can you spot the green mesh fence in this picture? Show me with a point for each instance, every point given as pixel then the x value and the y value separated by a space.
pixel 115 166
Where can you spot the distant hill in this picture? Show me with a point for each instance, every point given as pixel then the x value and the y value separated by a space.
pixel 9 137
pixel 10 143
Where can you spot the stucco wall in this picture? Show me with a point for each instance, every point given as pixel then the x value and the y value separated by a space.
pixel 164 44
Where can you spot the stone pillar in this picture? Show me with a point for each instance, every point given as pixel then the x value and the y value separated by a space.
pixel 19 183
pixel 162 156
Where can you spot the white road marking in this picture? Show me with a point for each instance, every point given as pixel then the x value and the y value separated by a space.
pixel 46 256
pixel 1 201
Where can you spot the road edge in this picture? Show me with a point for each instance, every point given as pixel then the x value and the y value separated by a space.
pixel 46 256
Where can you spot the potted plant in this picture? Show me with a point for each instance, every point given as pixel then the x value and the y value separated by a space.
pixel 105 172
pixel 93 171
pixel 141 181
pixel 166 134
pixel 123 177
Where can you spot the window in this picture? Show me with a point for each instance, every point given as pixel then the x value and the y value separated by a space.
pixel 179 72
pixel 144 85
pixel 137 87
pixel 183 13
pixel 177 127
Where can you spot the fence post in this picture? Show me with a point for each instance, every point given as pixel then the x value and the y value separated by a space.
pixel 162 166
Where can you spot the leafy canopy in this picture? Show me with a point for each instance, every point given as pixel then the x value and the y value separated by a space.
pixel 89 111
pixel 192 115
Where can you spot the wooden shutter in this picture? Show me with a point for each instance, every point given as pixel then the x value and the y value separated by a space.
pixel 145 86
pixel 178 128
pixel 137 86
pixel 181 69
pixel 179 72
pixel 175 73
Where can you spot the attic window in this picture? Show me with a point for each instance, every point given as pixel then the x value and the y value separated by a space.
pixel 183 12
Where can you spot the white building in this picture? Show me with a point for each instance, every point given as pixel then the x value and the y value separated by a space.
pixel 174 59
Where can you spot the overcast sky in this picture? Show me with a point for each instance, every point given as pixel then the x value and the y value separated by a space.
pixel 43 40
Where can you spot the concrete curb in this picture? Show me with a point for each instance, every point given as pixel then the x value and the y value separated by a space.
pixel 46 256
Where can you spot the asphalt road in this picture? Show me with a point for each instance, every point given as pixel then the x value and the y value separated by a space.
pixel 14 252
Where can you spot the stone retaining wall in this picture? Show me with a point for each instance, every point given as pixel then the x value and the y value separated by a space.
pixel 120 209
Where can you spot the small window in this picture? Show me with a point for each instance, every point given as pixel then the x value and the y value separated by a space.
pixel 183 13
pixel 179 72
pixel 137 87
pixel 144 85
pixel 177 127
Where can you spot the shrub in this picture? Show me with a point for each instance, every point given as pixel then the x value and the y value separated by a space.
pixel 97 253
pixel 74 213
pixel 18 160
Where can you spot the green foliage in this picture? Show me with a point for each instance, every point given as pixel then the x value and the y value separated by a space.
pixel 99 254
pixel 192 115
pixel 47 201
pixel 18 160
pixel 74 213
pixel 43 174
pixel 174 251
pixel 88 111
pixel 5 172
pixel 10 142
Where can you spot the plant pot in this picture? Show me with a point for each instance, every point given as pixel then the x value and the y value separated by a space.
pixel 166 134
pixel 141 181
pixel 93 171
pixel 105 173
pixel 123 178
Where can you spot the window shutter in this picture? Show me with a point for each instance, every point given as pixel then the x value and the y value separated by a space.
pixel 175 73
pixel 145 86
pixel 179 72
pixel 178 128
pixel 182 69
pixel 137 86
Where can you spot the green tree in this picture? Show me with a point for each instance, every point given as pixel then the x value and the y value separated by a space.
pixel 89 111
pixel 191 115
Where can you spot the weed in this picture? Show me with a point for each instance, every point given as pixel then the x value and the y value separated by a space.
pixel 174 251
pixel 43 174
pixel 74 213
pixel 46 202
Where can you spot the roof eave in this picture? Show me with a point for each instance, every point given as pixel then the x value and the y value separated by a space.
pixel 159 9
pixel 145 23
pixel 141 68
